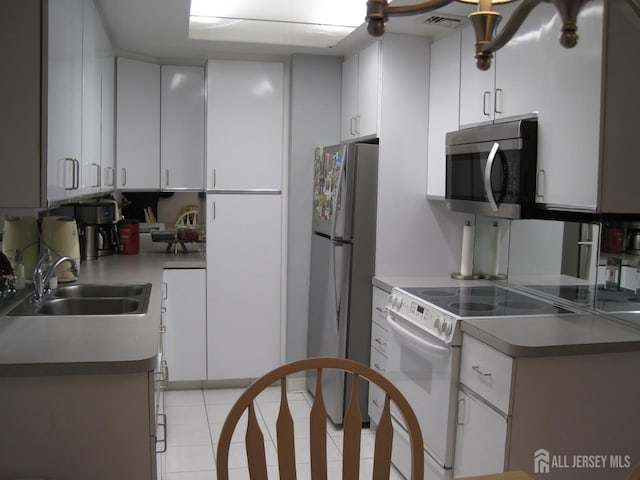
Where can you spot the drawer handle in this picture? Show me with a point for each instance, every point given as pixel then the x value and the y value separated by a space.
pixel 379 367
pixel 376 403
pixel 478 370
pixel 379 341
pixel 461 412
pixel 380 309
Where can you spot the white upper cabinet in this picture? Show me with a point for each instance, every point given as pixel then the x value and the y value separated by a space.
pixel 182 128
pixel 138 125
pixel 361 93
pixel 91 101
pixel 510 86
pixel 64 104
pixel 245 125
pixel 444 91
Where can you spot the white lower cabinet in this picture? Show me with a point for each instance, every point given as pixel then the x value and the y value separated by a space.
pixel 185 342
pixel 244 275
pixel 480 438
pixel 379 335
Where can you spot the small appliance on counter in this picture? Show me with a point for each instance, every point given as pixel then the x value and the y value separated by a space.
pixel 22 234
pixel 96 224
pixel 633 241
pixel 59 236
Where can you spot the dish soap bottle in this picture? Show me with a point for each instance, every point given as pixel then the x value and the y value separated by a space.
pixel 18 267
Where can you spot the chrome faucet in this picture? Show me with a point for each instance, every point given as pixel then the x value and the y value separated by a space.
pixel 41 278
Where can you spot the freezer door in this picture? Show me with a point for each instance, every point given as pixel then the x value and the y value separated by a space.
pixel 328 314
pixel 331 189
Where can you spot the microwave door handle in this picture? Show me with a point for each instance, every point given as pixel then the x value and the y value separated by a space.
pixel 487 176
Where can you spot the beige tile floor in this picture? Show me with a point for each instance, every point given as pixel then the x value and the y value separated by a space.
pixel 194 422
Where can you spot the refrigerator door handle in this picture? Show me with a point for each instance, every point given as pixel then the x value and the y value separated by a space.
pixel 336 290
pixel 337 205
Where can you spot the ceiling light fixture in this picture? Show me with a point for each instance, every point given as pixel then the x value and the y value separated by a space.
pixel 485 21
pixel 309 23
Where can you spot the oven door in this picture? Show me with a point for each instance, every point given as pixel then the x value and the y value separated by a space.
pixel 425 370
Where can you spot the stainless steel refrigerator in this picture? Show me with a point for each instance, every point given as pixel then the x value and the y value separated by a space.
pixel 342 264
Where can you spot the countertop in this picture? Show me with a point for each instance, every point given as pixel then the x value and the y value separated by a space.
pixel 543 335
pixel 101 344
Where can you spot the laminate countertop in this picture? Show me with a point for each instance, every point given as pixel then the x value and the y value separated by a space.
pixel 543 335
pixel 52 345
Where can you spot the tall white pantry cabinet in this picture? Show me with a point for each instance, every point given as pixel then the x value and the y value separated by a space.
pixel 244 165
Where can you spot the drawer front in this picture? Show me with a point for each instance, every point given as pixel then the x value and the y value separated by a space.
pixel 378 307
pixel 379 337
pixel 376 395
pixel 486 371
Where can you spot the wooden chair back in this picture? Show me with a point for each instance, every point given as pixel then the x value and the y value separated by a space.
pixel 254 439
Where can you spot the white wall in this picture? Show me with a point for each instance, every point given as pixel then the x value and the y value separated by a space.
pixel 315 121
pixel 414 236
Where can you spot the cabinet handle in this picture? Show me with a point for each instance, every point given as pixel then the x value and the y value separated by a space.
pixel 213 177
pixel 165 291
pixel 497 107
pixel 377 403
pixel 97 167
pixel 480 371
pixel 352 129
pixel 214 210
pixel 379 341
pixel 379 367
pixel 75 174
pixel 380 309
pixel 124 176
pixel 460 416
pixel 167 177
pixel 358 124
pixel 163 329
pixel 111 177
pixel 486 102
pixel 540 186
pixel 73 167
pixel 162 423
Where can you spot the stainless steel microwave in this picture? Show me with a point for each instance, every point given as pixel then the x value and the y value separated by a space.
pixel 491 168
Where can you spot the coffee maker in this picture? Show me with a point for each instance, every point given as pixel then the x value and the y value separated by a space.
pixel 98 233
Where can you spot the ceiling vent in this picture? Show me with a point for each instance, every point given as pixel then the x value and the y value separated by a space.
pixel 443 21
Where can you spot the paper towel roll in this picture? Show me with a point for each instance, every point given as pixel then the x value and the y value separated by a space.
pixel 466 257
pixel 493 243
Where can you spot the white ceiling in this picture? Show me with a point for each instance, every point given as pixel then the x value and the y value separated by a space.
pixel 158 30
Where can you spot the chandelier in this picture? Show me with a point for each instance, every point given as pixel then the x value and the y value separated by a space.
pixel 485 21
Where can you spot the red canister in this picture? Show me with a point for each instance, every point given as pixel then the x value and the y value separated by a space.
pixel 129 237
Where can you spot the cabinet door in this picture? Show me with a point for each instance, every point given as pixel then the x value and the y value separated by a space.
pixel 138 125
pixel 185 342
pixel 245 114
pixel 444 102
pixel 244 271
pixel 519 65
pixel 107 102
pixel 64 103
pixel 349 99
pixel 569 120
pixel 368 90
pixel 91 101
pixel 476 86
pixel 481 438
pixel 182 128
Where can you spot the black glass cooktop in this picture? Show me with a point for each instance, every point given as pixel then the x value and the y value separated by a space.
pixel 594 296
pixel 483 301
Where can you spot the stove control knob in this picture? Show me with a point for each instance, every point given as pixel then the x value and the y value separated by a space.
pixel 436 323
pixel 446 328
pixel 398 301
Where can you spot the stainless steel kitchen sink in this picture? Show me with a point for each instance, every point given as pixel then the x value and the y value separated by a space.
pixel 87 306
pixel 98 291
pixel 88 300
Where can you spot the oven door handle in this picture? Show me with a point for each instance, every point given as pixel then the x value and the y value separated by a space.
pixel 487 176
pixel 432 347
